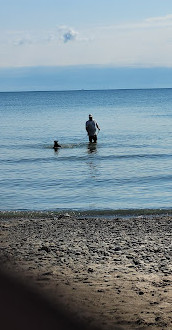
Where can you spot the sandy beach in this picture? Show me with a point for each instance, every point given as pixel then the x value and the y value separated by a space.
pixel 109 273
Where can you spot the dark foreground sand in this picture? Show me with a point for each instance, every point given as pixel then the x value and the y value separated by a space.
pixel 109 273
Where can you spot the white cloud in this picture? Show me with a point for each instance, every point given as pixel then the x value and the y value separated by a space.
pixel 23 41
pixel 160 20
pixel 63 34
pixel 148 23
pixel 67 34
pixel 22 38
pixel 148 42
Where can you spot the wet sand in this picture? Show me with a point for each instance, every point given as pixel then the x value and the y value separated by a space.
pixel 110 273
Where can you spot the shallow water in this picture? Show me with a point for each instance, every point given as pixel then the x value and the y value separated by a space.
pixel 128 169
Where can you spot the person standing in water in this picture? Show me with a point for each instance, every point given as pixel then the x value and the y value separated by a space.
pixel 91 126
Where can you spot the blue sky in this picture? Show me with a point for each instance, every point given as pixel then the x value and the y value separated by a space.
pixel 105 33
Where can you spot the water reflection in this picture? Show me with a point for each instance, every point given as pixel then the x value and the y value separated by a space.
pixel 56 151
pixel 92 148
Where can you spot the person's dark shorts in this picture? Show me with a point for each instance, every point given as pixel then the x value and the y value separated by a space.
pixel 93 138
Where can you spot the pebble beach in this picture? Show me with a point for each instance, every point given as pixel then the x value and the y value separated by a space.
pixel 109 272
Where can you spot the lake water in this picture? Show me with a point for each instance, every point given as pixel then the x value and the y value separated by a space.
pixel 128 169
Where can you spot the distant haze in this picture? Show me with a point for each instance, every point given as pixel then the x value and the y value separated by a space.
pixel 83 77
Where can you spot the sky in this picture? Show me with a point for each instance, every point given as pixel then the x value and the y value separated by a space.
pixel 76 33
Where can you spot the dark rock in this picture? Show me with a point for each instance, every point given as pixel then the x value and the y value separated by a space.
pixel 117 248
pixel 90 270
pixel 45 248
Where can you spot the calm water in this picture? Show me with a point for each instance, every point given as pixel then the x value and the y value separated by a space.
pixel 129 168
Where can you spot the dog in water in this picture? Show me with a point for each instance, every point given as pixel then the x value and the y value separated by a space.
pixel 56 145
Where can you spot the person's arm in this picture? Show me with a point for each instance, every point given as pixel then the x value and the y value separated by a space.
pixel 98 126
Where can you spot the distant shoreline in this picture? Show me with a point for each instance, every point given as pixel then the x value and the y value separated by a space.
pixel 82 90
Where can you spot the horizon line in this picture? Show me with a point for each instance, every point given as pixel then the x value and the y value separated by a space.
pixel 83 90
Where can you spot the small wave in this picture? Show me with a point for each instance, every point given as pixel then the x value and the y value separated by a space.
pixel 109 213
pixel 79 157
pixel 26 160
pixel 135 156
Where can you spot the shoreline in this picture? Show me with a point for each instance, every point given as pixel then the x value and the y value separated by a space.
pixel 108 271
pixel 7 214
